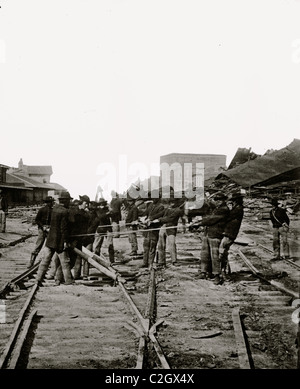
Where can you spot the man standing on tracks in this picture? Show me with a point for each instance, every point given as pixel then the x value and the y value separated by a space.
pixel 232 227
pixel 154 211
pixel 168 231
pixel 280 222
pixel 214 226
pixel 79 222
pixel 43 219
pixel 58 242
pixel 132 220
pixel 102 226
pixel 3 211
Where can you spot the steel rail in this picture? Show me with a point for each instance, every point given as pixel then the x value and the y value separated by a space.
pixel 8 286
pixel 271 282
pixel 286 260
pixel 12 340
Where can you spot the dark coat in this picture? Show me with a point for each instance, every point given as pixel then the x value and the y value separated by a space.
pixel 170 218
pixel 78 225
pixel 132 214
pixel 102 219
pixel 153 212
pixel 115 206
pixel 216 221
pixel 59 228
pixel 43 217
pixel 234 221
pixel 281 216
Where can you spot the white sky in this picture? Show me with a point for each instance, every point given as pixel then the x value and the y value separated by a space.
pixel 85 81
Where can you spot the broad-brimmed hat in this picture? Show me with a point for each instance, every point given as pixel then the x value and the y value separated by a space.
pixel 102 201
pixel 49 199
pixel 84 198
pixel 65 195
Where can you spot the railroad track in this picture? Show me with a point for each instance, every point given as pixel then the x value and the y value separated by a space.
pixel 162 319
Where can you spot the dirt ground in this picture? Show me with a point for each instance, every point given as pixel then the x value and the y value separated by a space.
pixel 88 325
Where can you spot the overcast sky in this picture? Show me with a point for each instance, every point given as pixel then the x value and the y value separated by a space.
pixel 83 82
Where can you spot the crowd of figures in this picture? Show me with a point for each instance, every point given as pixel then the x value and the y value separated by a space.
pixel 69 224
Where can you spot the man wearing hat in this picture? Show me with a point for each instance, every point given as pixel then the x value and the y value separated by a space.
pixel 132 221
pixel 102 227
pixel 79 222
pixel 232 227
pixel 58 242
pixel 43 219
pixel 215 223
pixel 168 231
pixel 280 222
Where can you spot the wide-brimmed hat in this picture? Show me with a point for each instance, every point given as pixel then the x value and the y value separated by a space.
pixel 49 199
pixel 102 201
pixel 84 198
pixel 65 195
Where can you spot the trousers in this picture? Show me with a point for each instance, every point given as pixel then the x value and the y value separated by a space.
pixel 2 221
pixel 164 240
pixel 62 265
pixel 149 246
pixel 209 261
pixel 280 235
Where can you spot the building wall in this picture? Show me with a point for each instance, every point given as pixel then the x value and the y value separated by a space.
pixel 213 165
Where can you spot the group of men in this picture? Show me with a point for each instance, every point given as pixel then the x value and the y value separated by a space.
pixel 78 223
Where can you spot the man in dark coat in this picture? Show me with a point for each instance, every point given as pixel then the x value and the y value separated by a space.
pixel 79 222
pixel 154 211
pixel 232 227
pixel 132 221
pixel 215 224
pixel 280 222
pixel 58 242
pixel 42 219
pixel 115 209
pixel 168 231
pixel 102 224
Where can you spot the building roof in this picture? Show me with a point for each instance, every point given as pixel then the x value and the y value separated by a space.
pixel 263 168
pixel 28 182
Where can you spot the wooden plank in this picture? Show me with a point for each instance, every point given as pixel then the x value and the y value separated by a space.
pixel 240 340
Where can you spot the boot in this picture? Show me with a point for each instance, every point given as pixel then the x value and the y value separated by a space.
pixel 32 259
pixel 111 253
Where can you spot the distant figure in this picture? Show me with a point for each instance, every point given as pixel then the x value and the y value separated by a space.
pixel 58 242
pixel 43 219
pixel 3 211
pixel 280 222
pixel 232 227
